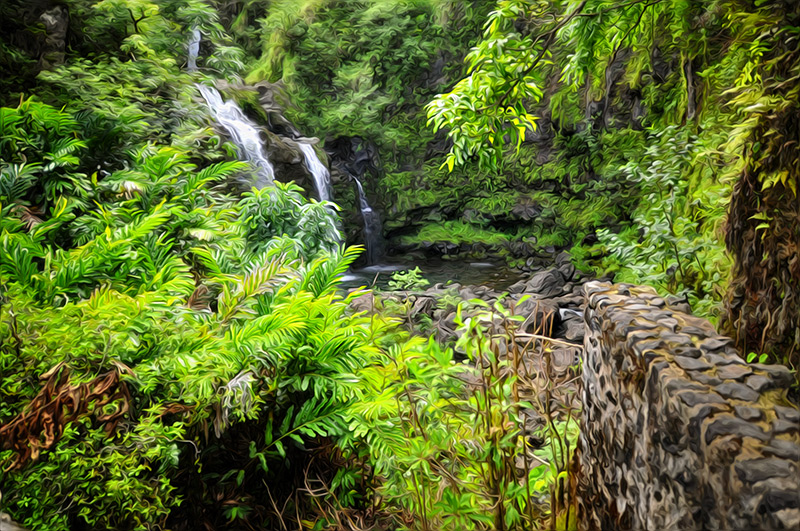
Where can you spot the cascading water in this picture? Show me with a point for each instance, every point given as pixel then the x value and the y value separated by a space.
pixel 372 225
pixel 322 177
pixel 230 116
pixel 194 50
pixel 243 132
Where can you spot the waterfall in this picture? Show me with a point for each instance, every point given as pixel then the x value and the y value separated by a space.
pixel 372 225
pixel 243 131
pixel 322 177
pixel 194 50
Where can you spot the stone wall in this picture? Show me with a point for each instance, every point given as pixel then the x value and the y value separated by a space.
pixel 678 431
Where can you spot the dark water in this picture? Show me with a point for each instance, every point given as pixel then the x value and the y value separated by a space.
pixel 495 276
pixel 372 226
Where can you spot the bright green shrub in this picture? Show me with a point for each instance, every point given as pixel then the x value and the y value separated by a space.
pixel 281 210
pixel 456 232
pixel 447 455
pixel 167 321
pixel 409 280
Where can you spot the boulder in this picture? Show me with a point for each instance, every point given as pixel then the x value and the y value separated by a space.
pixel 534 263
pixel 467 293
pixel 7 524
pixel 446 328
pixel 573 328
pixel 546 283
pixel 541 316
pixel 282 150
pixel 424 305
pixel 679 303
pixel 570 301
pixel 564 266
pixel 484 292
pixel 518 287
pixel 563 358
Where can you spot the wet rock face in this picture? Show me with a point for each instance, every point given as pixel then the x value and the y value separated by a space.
pixel 355 155
pixel 678 431
pixel 56 23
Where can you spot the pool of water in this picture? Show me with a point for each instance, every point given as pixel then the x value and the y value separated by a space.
pixel 495 276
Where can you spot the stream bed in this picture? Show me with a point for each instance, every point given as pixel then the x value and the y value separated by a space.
pixel 495 276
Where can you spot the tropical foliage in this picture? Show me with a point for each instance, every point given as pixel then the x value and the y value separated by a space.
pixel 149 323
pixel 175 348
pixel 707 73
pixel 443 458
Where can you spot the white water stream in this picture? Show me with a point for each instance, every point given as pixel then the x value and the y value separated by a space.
pixel 244 133
pixel 194 50
pixel 322 177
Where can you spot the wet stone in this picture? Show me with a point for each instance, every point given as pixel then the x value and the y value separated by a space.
pixel 748 413
pixel 784 426
pixel 691 364
pixel 788 413
pixel 716 343
pixel 782 449
pixel 729 425
pixel 737 390
pixel 754 470
pixel 734 372
pixel 692 398
pixel 759 383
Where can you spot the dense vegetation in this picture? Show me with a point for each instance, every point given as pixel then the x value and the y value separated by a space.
pixel 174 349
pixel 691 97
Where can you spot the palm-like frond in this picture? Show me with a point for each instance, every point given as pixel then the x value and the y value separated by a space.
pixel 19 254
pixel 62 153
pixel 17 179
pixel 212 173
pixel 323 273
pixel 237 295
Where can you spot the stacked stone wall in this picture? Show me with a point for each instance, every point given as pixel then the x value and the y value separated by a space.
pixel 679 432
